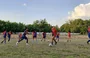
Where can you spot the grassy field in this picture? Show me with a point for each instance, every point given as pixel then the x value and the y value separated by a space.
pixel 77 48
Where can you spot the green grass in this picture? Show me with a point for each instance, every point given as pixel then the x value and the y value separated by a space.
pixel 77 48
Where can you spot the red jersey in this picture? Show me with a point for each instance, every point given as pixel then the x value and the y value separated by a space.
pixel 20 35
pixel 4 32
pixel 88 29
pixel 33 33
pixel 54 31
pixel 69 34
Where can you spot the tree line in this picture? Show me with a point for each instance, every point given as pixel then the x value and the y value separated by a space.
pixel 76 26
pixel 38 25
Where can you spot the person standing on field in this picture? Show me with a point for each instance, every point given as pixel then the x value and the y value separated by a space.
pixel 88 31
pixel 69 36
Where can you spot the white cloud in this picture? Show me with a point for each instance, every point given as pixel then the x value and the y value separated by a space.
pixel 80 11
pixel 24 4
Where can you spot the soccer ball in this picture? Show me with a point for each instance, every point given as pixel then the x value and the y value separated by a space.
pixel 50 45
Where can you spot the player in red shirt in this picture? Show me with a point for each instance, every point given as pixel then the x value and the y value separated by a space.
pixel 54 34
pixel 69 36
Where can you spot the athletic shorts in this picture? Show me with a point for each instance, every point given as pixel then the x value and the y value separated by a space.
pixel 4 36
pixel 89 34
pixel 34 36
pixel 57 36
pixel 44 36
pixel 23 37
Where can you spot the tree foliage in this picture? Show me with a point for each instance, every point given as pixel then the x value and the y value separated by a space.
pixel 38 25
pixel 76 26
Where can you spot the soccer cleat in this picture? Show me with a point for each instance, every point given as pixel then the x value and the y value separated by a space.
pixel 27 44
pixel 16 43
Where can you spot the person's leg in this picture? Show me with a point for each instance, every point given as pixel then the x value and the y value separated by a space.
pixel 88 41
pixel 26 40
pixel 89 38
pixel 58 38
pixel 52 40
pixel 5 40
pixel 9 38
pixel 44 38
pixel 55 40
pixel 19 40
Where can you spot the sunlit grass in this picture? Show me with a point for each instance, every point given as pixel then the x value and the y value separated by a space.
pixel 77 48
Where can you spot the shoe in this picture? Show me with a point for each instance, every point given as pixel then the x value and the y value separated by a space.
pixel 27 44
pixel 55 43
pixel 16 43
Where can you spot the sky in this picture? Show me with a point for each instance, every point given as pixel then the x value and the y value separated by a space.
pixel 56 12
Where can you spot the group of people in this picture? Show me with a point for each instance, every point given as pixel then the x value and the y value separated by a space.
pixel 54 39
pixel 6 34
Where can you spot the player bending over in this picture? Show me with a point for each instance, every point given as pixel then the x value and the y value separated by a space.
pixel 23 37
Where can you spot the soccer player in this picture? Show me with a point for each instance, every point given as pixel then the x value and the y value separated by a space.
pixel 4 35
pixel 88 34
pixel 54 34
pixel 44 36
pixel 20 36
pixel 9 35
pixel 34 34
pixel 24 37
pixel 69 36
pixel 57 37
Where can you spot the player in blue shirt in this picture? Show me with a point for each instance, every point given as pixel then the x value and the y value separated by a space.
pixel 24 37
pixel 4 35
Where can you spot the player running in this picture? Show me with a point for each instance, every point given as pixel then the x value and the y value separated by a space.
pixel 44 36
pixel 4 35
pixel 23 37
pixel 9 35
pixel 54 34
pixel 34 34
